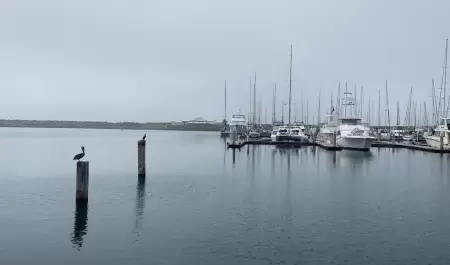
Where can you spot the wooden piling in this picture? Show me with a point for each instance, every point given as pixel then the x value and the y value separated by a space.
pixel 334 139
pixel 82 180
pixel 441 141
pixel 141 158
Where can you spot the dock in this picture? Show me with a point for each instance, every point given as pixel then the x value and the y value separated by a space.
pixel 379 144
pixel 410 146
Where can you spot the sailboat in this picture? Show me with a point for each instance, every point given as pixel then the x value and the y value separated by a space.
pixel 225 131
pixel 291 132
pixel 443 128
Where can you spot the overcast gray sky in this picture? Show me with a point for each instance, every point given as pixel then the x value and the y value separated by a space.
pixel 152 60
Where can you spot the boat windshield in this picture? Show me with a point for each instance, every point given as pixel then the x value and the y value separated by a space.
pixel 351 121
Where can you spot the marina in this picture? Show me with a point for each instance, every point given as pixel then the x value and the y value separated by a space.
pixel 383 144
pixel 275 203
pixel 225 133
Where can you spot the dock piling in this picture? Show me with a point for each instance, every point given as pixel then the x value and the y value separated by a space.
pixel 441 141
pixel 141 158
pixel 334 139
pixel 82 180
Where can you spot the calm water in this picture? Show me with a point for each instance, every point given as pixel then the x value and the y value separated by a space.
pixel 201 204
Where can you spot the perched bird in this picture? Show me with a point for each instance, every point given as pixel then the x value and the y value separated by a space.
pixel 80 155
pixel 145 136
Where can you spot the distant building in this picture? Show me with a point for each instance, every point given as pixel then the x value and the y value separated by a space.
pixel 199 120
pixel 177 123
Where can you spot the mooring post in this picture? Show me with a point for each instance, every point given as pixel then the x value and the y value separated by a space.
pixel 141 158
pixel 334 139
pixel 441 141
pixel 82 180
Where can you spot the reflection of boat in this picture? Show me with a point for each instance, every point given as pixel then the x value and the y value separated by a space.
pixel 443 129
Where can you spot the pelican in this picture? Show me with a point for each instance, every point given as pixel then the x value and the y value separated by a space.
pixel 80 155
pixel 145 136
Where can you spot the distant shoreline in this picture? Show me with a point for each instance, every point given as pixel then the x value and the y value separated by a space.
pixel 53 124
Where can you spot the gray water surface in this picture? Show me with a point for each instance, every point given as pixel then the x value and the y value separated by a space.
pixel 203 204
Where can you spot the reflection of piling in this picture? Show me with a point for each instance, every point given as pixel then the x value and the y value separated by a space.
pixel 82 180
pixel 140 202
pixel 80 223
pixel 141 158
pixel 234 156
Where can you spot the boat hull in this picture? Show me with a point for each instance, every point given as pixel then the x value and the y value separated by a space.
pixel 435 142
pixel 355 143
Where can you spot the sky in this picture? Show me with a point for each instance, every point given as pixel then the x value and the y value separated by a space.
pixel 141 60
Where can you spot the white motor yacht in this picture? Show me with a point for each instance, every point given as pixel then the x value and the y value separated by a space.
pixel 297 132
pixel 253 134
pixel 397 133
pixel 275 127
pixel 384 135
pixel 352 134
pixel 443 129
pixel 326 133
pixel 281 134
pixel 238 124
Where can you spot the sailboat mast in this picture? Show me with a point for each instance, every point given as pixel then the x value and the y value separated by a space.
pixel 445 76
pixel 379 109
pixel 361 108
pixel 274 106
pixel 318 112
pixel 225 100
pixel 339 98
pixel 368 113
pixel 433 100
pixel 250 103
pixel 254 102
pixel 345 108
pixel 356 103
pixel 303 116
pixel 290 88
pixel 307 108
pixel 387 107
pixel 398 114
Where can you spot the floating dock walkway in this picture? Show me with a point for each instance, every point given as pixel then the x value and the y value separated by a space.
pixel 379 144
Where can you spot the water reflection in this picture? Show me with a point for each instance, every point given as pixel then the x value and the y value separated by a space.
pixel 80 223
pixel 234 157
pixel 140 204
pixel 334 159
pixel 355 159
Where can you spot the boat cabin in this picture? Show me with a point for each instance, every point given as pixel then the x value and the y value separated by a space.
pixel 444 124
pixel 351 121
